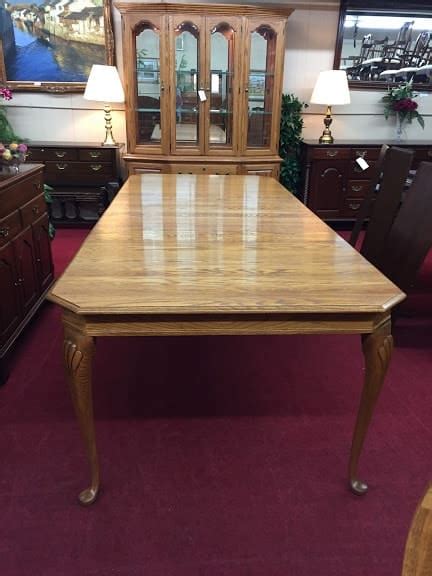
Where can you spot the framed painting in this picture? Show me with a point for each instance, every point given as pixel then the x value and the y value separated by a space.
pixel 51 47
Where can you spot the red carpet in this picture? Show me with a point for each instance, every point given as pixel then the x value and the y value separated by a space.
pixel 221 456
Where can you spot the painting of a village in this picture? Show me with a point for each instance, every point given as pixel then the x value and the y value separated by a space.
pixel 52 40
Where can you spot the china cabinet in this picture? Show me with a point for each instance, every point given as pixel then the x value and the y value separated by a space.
pixel 203 87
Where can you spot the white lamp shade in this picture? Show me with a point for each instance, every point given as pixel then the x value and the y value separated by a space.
pixel 331 88
pixel 104 84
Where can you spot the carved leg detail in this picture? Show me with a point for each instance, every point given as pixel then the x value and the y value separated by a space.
pixel 78 355
pixel 377 350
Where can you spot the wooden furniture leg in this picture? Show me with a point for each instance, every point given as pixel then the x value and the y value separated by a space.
pixel 78 355
pixel 377 350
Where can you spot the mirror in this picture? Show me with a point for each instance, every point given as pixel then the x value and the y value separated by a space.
pixel 383 42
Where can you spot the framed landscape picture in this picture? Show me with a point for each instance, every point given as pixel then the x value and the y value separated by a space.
pixel 51 46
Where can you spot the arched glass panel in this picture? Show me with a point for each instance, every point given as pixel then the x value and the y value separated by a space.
pixel 187 83
pixel 221 84
pixel 261 86
pixel 147 44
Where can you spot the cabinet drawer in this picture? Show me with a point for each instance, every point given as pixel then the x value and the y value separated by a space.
pixel 351 207
pixel 33 210
pixel 78 172
pixel 203 169
pixel 9 227
pixel 92 154
pixel 354 170
pixel 357 188
pixel 331 153
pixel 424 154
pixel 41 154
pixel 366 153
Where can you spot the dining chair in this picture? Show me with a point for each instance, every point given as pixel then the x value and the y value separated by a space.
pixel 366 205
pixel 396 166
pixel 418 548
pixel 410 237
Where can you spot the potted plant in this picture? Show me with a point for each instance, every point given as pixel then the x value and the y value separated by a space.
pixel 291 127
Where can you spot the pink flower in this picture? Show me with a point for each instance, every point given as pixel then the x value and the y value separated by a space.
pixel 6 93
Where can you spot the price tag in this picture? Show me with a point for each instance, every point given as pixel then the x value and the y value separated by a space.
pixel 202 95
pixel 362 163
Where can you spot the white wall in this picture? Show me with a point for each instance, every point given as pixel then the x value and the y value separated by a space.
pixel 311 35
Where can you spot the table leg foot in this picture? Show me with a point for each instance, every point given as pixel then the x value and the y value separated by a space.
pixel 88 496
pixel 377 350
pixel 358 487
pixel 78 355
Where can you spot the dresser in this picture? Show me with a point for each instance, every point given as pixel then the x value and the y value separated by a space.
pixel 84 178
pixel 26 266
pixel 334 184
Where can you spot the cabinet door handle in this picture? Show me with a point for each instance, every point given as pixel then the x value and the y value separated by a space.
pixel 356 188
pixel 60 154
pixel 355 206
pixel 332 153
pixel 61 166
pixel 35 209
pixel 94 154
pixel 96 167
pixel 4 232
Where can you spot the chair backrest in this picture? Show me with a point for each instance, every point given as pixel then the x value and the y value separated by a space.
pixel 366 205
pixel 418 548
pixel 410 237
pixel 396 166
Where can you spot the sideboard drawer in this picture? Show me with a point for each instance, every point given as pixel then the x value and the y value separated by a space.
pixel 366 153
pixel 42 154
pixel 79 172
pixel 331 153
pixel 358 188
pixel 354 170
pixel 9 227
pixel 33 210
pixel 424 154
pixel 99 154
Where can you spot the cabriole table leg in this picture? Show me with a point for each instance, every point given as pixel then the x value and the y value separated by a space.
pixel 78 356
pixel 377 350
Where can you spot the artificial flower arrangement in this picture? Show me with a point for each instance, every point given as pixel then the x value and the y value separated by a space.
pixel 399 101
pixel 13 153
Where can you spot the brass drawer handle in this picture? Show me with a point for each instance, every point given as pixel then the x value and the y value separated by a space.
pixel 429 152
pixel 96 167
pixel 355 206
pixel 61 166
pixel 360 154
pixel 356 188
pixel 4 232
pixel 60 154
pixel 35 209
pixel 332 153
pixel 94 154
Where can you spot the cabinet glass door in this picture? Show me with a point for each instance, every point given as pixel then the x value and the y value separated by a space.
pixel 187 81
pixel 221 85
pixel 149 87
pixel 260 86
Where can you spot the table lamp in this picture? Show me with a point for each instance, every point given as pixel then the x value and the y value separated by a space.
pixel 104 85
pixel 331 89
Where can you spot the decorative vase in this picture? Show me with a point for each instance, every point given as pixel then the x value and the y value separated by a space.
pixel 399 127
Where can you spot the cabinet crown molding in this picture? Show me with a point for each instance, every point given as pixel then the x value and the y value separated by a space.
pixel 247 9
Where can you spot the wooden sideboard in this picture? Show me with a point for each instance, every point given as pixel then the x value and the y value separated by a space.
pixel 334 185
pixel 26 266
pixel 84 177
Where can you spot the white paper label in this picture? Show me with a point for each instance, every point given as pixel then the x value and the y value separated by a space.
pixel 362 163
pixel 202 95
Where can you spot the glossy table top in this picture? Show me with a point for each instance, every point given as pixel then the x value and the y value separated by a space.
pixel 217 244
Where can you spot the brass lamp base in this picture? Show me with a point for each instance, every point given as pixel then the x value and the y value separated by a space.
pixel 109 138
pixel 326 137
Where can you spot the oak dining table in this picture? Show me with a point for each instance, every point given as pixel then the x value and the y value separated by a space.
pixel 182 255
